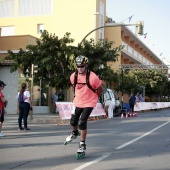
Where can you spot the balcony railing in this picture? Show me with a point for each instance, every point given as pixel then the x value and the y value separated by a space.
pixel 136 55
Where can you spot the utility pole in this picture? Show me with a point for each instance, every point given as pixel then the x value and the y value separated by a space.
pixel 32 86
pixel 34 69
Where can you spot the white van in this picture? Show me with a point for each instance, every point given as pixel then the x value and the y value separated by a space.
pixel 111 103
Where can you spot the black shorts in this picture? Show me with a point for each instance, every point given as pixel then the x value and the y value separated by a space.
pixel 83 112
pixel 2 112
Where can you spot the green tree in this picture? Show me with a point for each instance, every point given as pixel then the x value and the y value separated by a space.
pixel 55 58
pixel 153 80
pixel 156 83
pixel 99 55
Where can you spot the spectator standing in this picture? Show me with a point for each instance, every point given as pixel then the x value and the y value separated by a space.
pixel 132 101
pixel 24 106
pixel 3 103
pixel 141 98
pixel 137 97
pixel 55 99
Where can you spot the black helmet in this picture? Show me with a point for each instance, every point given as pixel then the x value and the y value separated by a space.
pixel 81 60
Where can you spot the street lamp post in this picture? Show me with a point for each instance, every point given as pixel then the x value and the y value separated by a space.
pixel 34 69
pixel 139 31
pixel 111 25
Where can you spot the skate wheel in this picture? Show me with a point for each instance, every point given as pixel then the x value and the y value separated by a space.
pixel 65 143
pixel 80 155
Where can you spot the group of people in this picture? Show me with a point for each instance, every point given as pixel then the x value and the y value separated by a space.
pixel 134 99
pixel 85 99
pixel 24 107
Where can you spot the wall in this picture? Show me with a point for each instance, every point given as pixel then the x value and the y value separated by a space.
pixel 76 17
pixel 16 42
pixel 11 89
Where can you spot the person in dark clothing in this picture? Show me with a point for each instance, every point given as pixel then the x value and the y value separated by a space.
pixel 132 102
pixel 24 107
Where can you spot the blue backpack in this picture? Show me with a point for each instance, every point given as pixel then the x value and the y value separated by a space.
pixel 21 98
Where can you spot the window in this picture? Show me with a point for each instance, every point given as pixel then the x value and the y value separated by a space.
pixel 34 7
pixel 7 31
pixel 40 27
pixel 6 8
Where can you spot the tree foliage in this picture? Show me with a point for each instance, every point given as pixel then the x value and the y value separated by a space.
pixel 153 80
pixel 55 58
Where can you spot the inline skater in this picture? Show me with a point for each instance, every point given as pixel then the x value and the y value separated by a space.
pixel 87 88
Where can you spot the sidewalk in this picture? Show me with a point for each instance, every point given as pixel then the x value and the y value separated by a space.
pixel 39 118
pixel 45 118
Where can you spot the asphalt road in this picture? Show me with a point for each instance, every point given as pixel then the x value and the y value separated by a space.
pixel 138 143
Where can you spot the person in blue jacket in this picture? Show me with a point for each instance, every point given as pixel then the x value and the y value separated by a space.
pixel 132 102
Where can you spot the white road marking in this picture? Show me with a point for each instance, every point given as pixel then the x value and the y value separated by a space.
pixel 119 147
pixel 136 139
pixel 92 162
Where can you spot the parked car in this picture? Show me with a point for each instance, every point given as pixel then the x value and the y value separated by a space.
pixel 110 103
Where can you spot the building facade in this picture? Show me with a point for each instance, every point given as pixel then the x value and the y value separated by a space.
pixel 12 80
pixel 24 19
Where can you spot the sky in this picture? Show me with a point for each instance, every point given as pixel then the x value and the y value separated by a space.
pixel 156 17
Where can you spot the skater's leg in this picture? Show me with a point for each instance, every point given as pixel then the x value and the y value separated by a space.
pixel 83 123
pixel 74 123
pixel 83 135
pixel 75 118
pixel 75 128
pixel 83 127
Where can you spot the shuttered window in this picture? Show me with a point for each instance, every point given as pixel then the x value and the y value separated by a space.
pixel 34 7
pixel 6 8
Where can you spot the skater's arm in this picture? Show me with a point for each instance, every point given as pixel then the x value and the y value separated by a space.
pixel 99 90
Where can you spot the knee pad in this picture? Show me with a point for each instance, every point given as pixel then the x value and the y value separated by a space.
pixel 73 122
pixel 83 125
